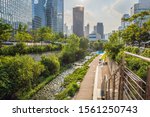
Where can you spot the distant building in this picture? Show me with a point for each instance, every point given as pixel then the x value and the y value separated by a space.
pixel 78 21
pixel 92 37
pixel 55 15
pixel 143 5
pixel 95 29
pixel 66 30
pixel 15 12
pixel 39 14
pixel 87 30
pixel 124 24
pixel 100 30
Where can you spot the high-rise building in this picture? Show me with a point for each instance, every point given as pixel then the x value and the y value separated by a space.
pixel 87 30
pixel 95 29
pixel 78 21
pixel 100 30
pixel 39 16
pixel 55 15
pixel 15 12
pixel 66 31
pixel 143 5
pixel 124 24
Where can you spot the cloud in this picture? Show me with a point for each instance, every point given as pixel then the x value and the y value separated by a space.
pixel 107 11
pixel 123 6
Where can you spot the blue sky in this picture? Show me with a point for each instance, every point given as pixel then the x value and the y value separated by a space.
pixel 107 11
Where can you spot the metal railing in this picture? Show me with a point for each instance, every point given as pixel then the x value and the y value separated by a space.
pixel 124 84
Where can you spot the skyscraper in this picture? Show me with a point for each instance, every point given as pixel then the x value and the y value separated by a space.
pixel 78 21
pixel 143 5
pixel 55 15
pixel 39 17
pixel 16 11
pixel 100 30
pixel 87 30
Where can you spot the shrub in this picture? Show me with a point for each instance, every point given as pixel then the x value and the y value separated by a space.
pixel 51 64
pixel 17 74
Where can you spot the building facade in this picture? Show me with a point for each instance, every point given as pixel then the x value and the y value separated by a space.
pixel 124 24
pixel 15 12
pixel 39 14
pixel 55 15
pixel 100 29
pixel 78 21
pixel 143 5
pixel 87 30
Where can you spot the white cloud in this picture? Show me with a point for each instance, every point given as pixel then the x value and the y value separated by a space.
pixel 107 11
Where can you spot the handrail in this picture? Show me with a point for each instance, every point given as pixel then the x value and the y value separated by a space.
pixel 135 82
pixel 130 91
pixel 134 89
pixel 136 76
pixel 138 56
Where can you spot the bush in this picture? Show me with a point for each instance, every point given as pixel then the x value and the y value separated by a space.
pixel 21 49
pixel 51 64
pixel 17 75
pixel 67 57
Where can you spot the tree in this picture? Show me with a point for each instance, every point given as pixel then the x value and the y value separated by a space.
pixel 84 43
pixel 22 34
pixel 51 64
pixel 69 51
pixel 35 35
pixel 131 34
pixel 5 31
pixel 45 34
pixel 17 75
pixel 113 46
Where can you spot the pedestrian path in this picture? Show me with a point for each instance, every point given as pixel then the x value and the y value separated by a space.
pixel 87 85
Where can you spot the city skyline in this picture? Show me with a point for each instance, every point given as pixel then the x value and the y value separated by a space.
pixel 100 11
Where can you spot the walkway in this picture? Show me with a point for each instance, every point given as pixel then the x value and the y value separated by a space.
pixel 87 85
pixel 101 73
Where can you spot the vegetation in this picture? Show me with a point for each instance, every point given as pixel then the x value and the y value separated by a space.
pixel 5 32
pixel 97 45
pixel 17 75
pixel 51 64
pixel 21 49
pixel 73 50
pixel 71 82
pixel 133 35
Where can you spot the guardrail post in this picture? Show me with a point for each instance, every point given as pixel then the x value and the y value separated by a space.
pixel 121 79
pixel 114 83
pixel 148 84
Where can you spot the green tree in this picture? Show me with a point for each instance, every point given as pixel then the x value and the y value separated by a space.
pixel 17 75
pixel 5 31
pixel 22 34
pixel 84 43
pixel 45 34
pixel 113 46
pixel 69 52
pixel 51 64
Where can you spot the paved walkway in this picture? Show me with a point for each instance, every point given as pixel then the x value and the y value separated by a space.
pixel 87 85
pixel 101 73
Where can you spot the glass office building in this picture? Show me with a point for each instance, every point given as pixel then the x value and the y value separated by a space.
pixel 55 14
pixel 39 14
pixel 16 11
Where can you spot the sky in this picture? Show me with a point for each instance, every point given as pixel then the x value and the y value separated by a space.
pixel 107 11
